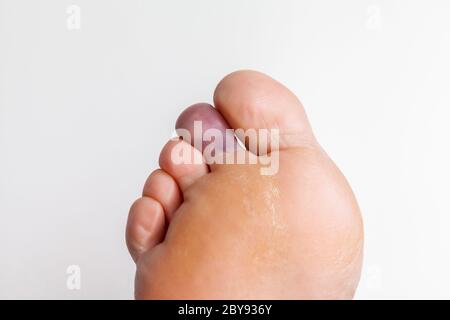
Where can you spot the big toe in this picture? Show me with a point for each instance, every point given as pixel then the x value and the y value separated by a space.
pixel 253 100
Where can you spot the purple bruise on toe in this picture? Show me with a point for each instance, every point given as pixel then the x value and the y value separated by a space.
pixel 205 117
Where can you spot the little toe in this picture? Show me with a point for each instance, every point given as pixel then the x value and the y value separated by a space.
pixel 145 227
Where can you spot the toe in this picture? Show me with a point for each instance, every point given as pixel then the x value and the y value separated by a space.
pixel 252 100
pixel 183 162
pixel 200 121
pixel 202 126
pixel 145 227
pixel 164 189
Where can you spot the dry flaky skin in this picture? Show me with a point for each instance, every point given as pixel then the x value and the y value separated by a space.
pixel 233 233
pixel 238 234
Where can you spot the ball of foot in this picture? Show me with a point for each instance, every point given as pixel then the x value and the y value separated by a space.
pixel 206 230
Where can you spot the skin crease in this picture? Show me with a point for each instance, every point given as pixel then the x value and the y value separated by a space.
pixel 297 234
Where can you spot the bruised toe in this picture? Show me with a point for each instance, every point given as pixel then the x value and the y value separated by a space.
pixel 201 124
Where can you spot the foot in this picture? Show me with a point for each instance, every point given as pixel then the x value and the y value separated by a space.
pixel 209 230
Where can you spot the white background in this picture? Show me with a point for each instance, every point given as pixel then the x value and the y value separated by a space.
pixel 84 113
